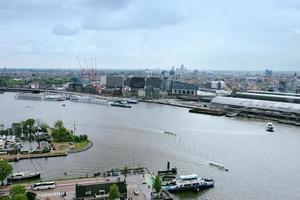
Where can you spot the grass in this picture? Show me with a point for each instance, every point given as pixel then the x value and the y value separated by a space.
pixel 81 144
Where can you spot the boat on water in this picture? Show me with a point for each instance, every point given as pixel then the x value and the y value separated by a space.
pixel 231 114
pixel 30 96
pixel 269 127
pixel 132 101
pixel 120 104
pixel 170 133
pixel 214 164
pixel 54 97
pixel 188 182
pixel 23 176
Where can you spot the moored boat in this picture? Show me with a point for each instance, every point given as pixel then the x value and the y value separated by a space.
pixel 188 182
pixel 132 101
pixel 23 176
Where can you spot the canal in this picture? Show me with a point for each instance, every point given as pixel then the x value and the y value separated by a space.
pixel 261 165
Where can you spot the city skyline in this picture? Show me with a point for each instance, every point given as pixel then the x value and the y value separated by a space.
pixel 130 34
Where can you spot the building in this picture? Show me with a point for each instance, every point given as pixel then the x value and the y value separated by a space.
pixel 181 88
pixel 99 190
pixel 115 81
pixel 217 85
pixel 241 103
pixel 153 82
pixel 137 82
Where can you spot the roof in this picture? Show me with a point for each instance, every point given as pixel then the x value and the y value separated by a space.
pixel 258 104
pixel 272 97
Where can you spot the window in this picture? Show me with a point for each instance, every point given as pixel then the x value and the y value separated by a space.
pixel 87 193
pixel 101 192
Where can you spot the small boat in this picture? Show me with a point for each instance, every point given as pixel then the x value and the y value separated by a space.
pixel 170 133
pixel 269 127
pixel 132 101
pixel 64 105
pixel 29 106
pixel 214 164
pixel 120 104
pixel 188 182
pixel 231 114
pixel 23 176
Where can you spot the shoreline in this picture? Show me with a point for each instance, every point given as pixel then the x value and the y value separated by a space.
pixel 16 158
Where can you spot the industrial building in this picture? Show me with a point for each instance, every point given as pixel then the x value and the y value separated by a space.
pixel 115 81
pixel 280 97
pixel 257 104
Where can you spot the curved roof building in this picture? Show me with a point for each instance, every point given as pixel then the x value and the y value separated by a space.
pixel 258 104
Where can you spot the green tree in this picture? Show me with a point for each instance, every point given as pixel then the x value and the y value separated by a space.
pixel 114 192
pixel 31 195
pixel 17 189
pixel 125 171
pixel 5 170
pixel 156 183
pixel 19 197
pixel 59 124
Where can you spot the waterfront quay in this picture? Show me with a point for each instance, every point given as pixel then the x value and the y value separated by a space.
pixel 66 189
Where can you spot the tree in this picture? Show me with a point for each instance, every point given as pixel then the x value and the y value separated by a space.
pixel 5 170
pixel 125 171
pixel 156 183
pixel 18 192
pixel 19 197
pixel 31 195
pixel 114 192
pixel 17 189
pixel 58 124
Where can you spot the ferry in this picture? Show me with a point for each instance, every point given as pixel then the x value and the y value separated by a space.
pixel 23 176
pixel 188 182
pixel 120 104
pixel 214 164
pixel 269 127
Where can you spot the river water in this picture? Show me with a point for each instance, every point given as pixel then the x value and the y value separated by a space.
pixel 261 165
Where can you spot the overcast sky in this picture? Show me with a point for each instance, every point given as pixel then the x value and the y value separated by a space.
pixel 214 34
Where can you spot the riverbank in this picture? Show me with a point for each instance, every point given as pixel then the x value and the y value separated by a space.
pixel 61 149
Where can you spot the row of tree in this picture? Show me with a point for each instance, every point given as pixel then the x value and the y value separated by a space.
pixel 61 134
pixel 25 128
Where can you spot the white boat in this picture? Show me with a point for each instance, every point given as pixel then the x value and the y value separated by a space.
pixel 214 164
pixel 30 96
pixel 132 101
pixel 74 98
pixel 54 97
pixel 188 182
pixel 23 176
pixel 269 127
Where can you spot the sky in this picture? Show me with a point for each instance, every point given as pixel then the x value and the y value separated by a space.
pixel 138 34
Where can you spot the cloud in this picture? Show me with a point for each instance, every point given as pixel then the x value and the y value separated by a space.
pixel 106 4
pixel 136 16
pixel 61 29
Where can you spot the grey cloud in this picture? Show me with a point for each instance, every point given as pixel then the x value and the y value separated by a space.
pixel 62 29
